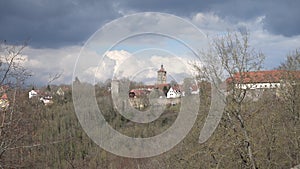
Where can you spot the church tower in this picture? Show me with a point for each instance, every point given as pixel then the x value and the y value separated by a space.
pixel 161 75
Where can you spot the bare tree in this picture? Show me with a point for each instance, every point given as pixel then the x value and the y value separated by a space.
pixel 290 101
pixel 292 61
pixel 12 71
pixel 231 56
pixel 53 77
pixel 290 87
pixel 12 75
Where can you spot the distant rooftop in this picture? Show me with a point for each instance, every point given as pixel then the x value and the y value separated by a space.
pixel 263 76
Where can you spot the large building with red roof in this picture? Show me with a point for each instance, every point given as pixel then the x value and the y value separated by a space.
pixel 262 79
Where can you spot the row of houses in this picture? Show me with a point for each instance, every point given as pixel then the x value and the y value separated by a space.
pixel 42 95
pixel 139 95
pixel 254 81
pixel 169 91
pixel 46 96
pixel 257 82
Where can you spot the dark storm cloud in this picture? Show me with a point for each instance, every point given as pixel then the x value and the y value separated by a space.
pixel 282 17
pixel 54 23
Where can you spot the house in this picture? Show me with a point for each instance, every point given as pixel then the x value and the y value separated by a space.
pixel 47 100
pixel 194 89
pixel 139 98
pixel 60 92
pixel 4 103
pixel 174 92
pixel 44 96
pixel 32 93
pixel 138 93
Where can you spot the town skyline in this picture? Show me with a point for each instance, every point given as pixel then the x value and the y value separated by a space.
pixel 56 31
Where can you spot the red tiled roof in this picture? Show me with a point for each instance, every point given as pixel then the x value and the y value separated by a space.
pixel 4 96
pixel 161 86
pixel 263 76
pixel 177 88
pixel 156 86
pixel 138 92
pixel 194 88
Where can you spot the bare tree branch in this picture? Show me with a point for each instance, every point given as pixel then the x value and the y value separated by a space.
pixel 53 77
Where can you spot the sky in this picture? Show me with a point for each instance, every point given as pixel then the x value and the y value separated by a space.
pixel 59 30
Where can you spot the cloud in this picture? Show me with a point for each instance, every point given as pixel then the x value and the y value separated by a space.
pixel 142 67
pixel 118 56
pixel 281 16
pixel 55 24
pixel 274 46
pixel 107 67
pixel 45 61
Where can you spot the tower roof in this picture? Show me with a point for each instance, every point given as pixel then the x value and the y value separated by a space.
pixel 161 69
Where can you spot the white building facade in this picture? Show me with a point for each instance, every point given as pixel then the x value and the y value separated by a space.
pixel 172 93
